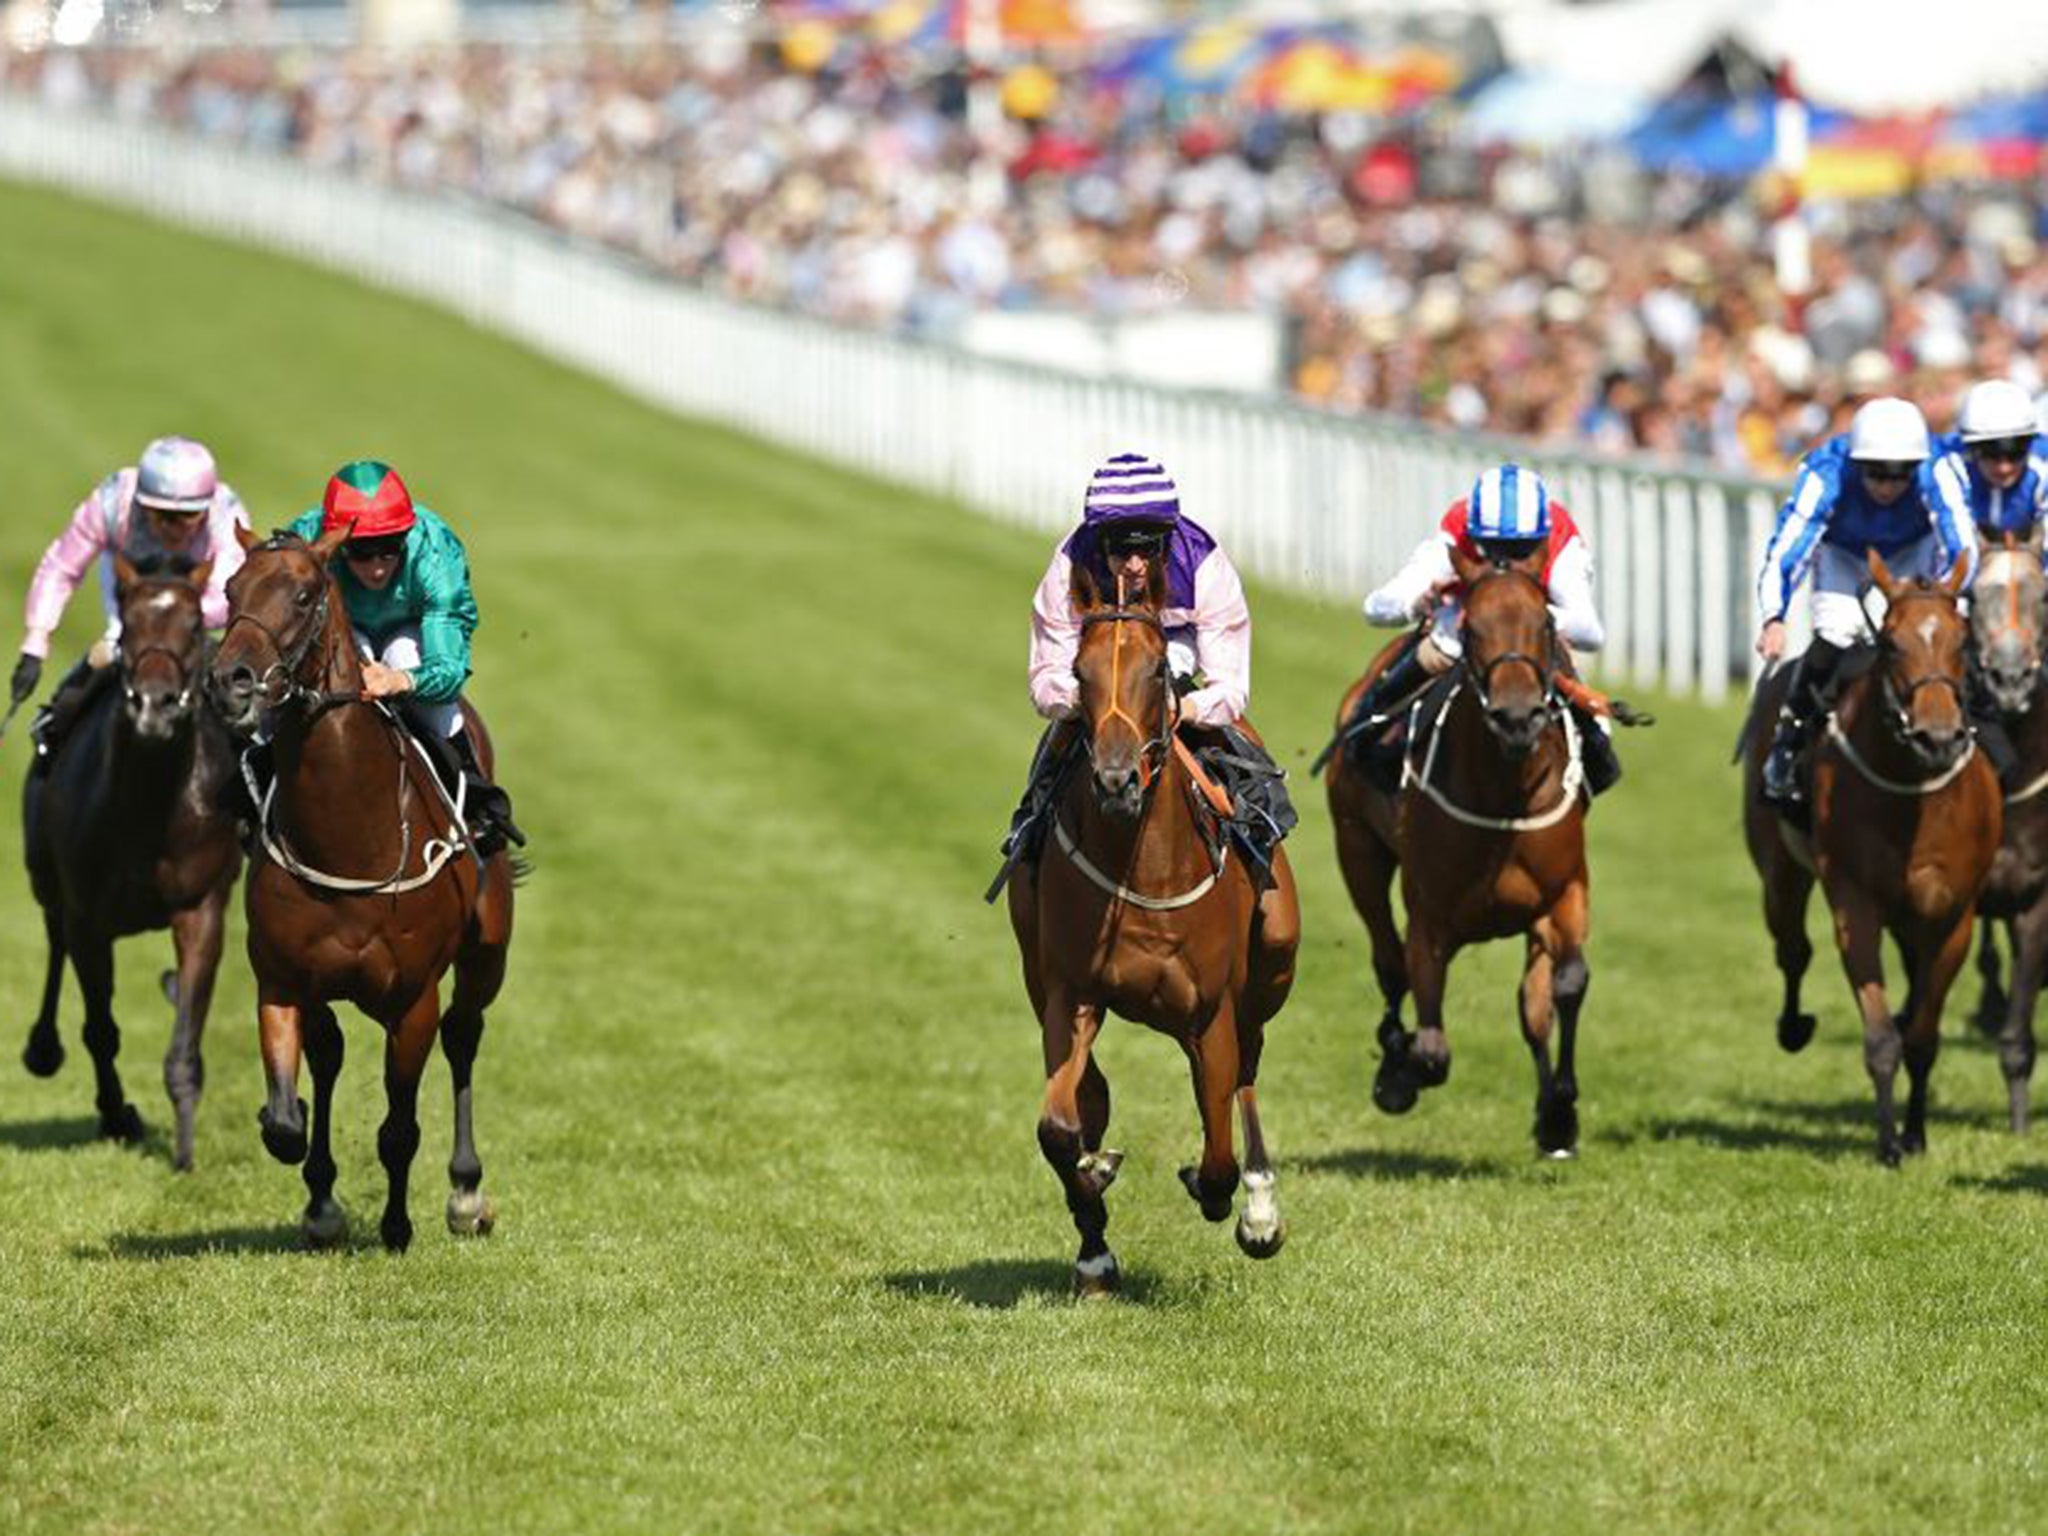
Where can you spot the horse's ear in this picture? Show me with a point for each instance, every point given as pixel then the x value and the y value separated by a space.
pixel 1155 582
pixel 1952 583
pixel 247 538
pixel 1083 588
pixel 1469 567
pixel 330 541
pixel 1882 574
pixel 200 574
pixel 125 574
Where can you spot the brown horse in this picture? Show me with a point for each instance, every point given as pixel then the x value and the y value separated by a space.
pixel 123 833
pixel 1139 910
pixel 2008 605
pixel 1906 821
pixel 354 795
pixel 1488 833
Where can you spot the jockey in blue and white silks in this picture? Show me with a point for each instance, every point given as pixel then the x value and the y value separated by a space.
pixel 1992 471
pixel 1871 488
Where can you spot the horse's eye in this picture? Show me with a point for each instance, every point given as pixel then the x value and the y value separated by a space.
pixel 304 599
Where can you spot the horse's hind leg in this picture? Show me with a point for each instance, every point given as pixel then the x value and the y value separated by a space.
pixel 197 934
pixel 1369 866
pixel 1554 984
pixel 1213 1058
pixel 1069 1031
pixel 406 1049
pixel 2016 1034
pixel 1275 940
pixel 1411 1063
pixel 94 962
pixel 1260 1230
pixel 1993 1001
pixel 324 1223
pixel 479 973
pixel 1787 889
pixel 44 1053
pixel 1935 968
pixel 1859 934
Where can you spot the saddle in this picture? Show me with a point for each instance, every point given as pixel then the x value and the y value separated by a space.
pixel 1406 735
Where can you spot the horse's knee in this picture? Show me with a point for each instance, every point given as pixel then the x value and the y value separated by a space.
pixel 184 1075
pixel 102 1036
pixel 397 1141
pixel 2016 1056
pixel 1060 1144
pixel 1571 979
pixel 1882 1051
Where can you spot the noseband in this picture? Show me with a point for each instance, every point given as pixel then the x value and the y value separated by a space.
pixel 1152 756
pixel 131 661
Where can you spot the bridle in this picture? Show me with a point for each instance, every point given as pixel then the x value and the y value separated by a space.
pixel 187 664
pixel 1152 756
pixel 280 683
pixel 1480 675
pixel 1899 705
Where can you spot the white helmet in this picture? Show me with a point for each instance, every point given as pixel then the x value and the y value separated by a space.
pixel 1888 430
pixel 1997 408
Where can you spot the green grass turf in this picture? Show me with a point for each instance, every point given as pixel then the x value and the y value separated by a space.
pixel 777 1251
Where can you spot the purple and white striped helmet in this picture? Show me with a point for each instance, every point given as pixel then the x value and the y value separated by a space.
pixel 1131 488
pixel 175 474
pixel 1508 503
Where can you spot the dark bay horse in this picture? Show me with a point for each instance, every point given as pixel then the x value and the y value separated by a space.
pixel 1136 908
pixel 1907 817
pixel 366 890
pixel 123 833
pixel 2008 605
pixel 1488 835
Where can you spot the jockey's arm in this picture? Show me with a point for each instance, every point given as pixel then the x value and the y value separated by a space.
pixel 224 550
pixel 63 567
pixel 1223 645
pixel 1055 641
pixel 1409 595
pixel 1571 598
pixel 446 624
pixel 1801 521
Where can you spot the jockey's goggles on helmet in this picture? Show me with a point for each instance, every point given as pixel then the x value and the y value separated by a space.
pixel 179 515
pixel 1889 472
pixel 1507 549
pixel 2012 450
pixel 1137 539
pixel 384 547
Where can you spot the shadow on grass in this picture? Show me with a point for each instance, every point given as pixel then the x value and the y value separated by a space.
pixel 1385 1166
pixel 1000 1284
pixel 1735 1136
pixel 152 1246
pixel 2020 1181
pixel 1862 1110
pixel 67 1134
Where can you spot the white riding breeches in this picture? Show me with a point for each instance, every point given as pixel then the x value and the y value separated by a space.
pixel 1841 578
pixel 401 652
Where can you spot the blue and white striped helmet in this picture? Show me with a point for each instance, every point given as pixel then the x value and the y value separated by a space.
pixel 1131 488
pixel 1508 503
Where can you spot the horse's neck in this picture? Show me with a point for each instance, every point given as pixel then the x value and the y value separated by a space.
pixel 1160 851
pixel 1859 711
pixel 340 770
pixel 143 777
pixel 1481 775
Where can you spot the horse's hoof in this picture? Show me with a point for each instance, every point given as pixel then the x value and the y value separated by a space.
pixel 1888 1153
pixel 471 1214
pixel 396 1230
pixel 1565 1154
pixel 1913 1143
pixel 324 1225
pixel 1260 1245
pixel 1097 1278
pixel 1394 1092
pixel 286 1143
pixel 1795 1031
pixel 1215 1207
pixel 43 1054
pixel 1098 1170
pixel 123 1125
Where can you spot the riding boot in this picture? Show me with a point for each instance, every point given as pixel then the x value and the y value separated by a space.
pixel 55 720
pixel 1262 813
pixel 1812 682
pixel 1404 677
pixel 1596 750
pixel 1041 786
pixel 488 808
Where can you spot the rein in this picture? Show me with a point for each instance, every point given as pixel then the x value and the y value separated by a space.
pixel 1941 780
pixel 1568 791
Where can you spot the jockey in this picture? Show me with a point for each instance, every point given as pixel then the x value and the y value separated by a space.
pixel 405 582
pixel 1993 470
pixel 1131 517
pixel 1507 516
pixel 1871 488
pixel 169 510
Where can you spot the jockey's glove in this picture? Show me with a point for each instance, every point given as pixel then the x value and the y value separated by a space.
pixel 27 673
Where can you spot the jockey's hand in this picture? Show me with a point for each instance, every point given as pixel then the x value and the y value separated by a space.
pixel 382 682
pixel 1770 640
pixel 27 673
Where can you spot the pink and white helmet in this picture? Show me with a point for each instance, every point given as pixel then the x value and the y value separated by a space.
pixel 175 474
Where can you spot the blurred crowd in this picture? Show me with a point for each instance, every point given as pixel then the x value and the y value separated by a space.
pixel 1570 299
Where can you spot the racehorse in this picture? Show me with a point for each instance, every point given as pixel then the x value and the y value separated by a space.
pixel 1906 821
pixel 2009 601
pixel 1488 834
pixel 353 793
pixel 1140 910
pixel 123 833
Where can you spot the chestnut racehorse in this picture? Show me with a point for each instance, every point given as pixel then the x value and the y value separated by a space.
pixel 1136 907
pixel 1906 820
pixel 124 832
pixel 366 890
pixel 1488 834
pixel 2008 605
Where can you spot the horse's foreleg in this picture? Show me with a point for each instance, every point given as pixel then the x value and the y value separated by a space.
pixel 1859 935
pixel 1553 991
pixel 1411 1063
pixel 1993 1001
pixel 406 1048
pixel 1936 965
pixel 1275 939
pixel 282 1119
pixel 2016 1036
pixel 1213 1062
pixel 197 934
pixel 93 959
pixel 324 1223
pixel 469 1212
pixel 1788 886
pixel 1261 1229
pixel 44 1053
pixel 1069 1030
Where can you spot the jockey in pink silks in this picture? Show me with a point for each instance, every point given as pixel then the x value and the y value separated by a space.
pixel 168 511
pixel 1131 517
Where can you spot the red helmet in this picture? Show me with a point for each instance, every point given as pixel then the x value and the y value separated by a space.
pixel 369 495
